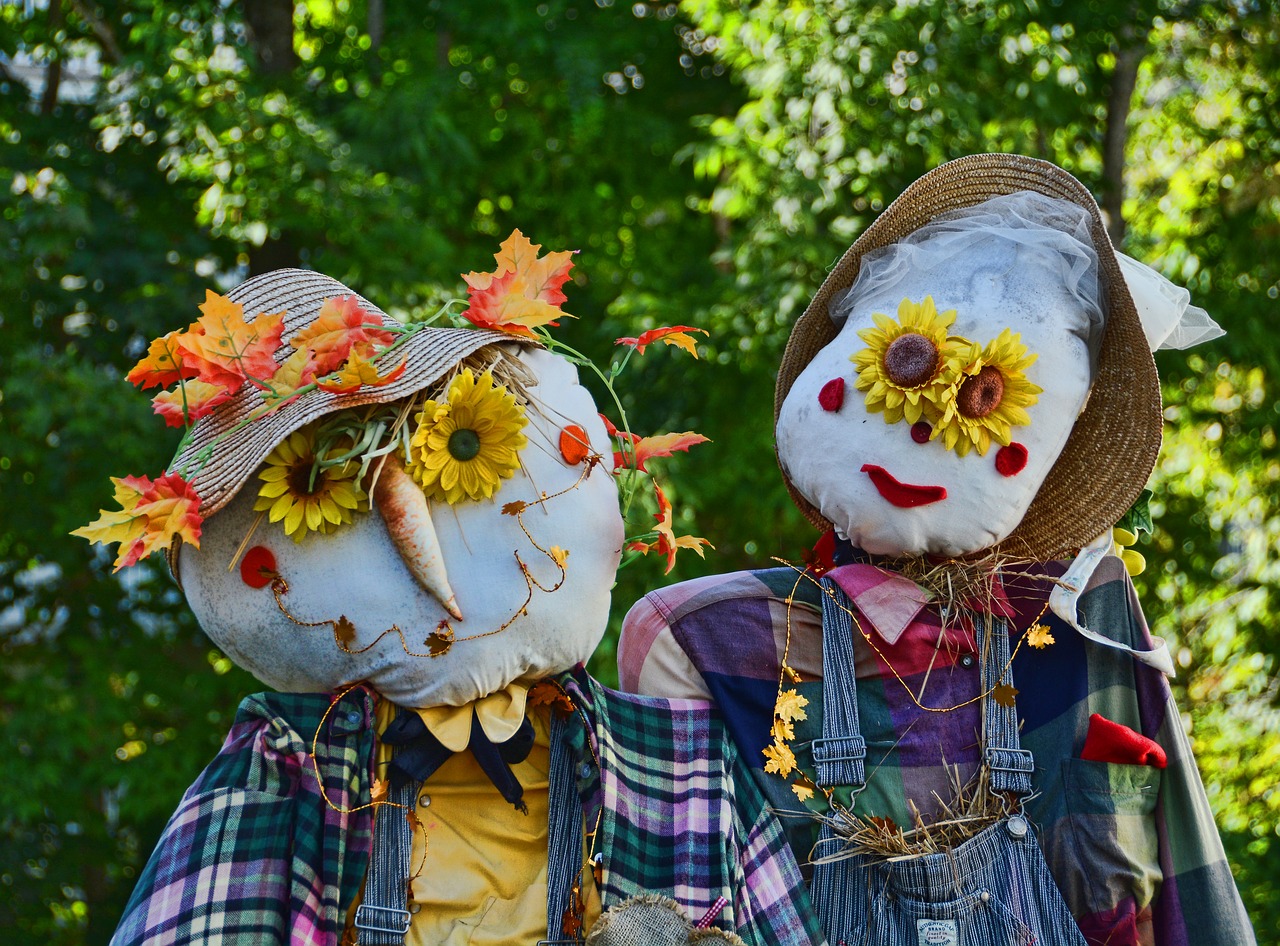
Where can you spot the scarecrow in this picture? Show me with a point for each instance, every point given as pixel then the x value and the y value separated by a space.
pixel 410 534
pixel 958 699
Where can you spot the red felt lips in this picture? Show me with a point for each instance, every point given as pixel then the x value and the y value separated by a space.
pixel 903 495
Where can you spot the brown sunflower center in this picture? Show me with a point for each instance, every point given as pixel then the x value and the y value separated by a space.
pixel 910 360
pixel 981 394
pixel 299 479
pixel 464 444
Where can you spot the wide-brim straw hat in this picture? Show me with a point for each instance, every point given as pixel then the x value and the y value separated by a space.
pixel 1112 448
pixel 225 446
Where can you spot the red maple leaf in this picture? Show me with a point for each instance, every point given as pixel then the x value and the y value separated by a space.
pixel 340 327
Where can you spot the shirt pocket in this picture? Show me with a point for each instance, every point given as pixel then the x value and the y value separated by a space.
pixel 1110 814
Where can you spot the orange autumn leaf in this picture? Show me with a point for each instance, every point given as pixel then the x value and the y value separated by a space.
pixel 225 349
pixel 151 514
pixel 339 328
pixel 523 292
pixel 357 373
pixel 197 397
pixel 162 364
pixel 668 543
pixel 677 335
pixel 636 450
pixel 575 446
pixel 546 693
pixel 662 445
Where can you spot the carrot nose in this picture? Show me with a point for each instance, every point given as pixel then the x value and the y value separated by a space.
pixel 405 511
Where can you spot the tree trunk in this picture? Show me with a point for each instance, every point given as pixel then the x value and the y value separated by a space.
pixel 270 25
pixel 376 22
pixel 1130 50
pixel 53 74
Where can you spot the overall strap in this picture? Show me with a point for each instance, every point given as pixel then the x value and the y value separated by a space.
pixel 839 755
pixel 381 919
pixel 564 832
pixel 839 760
pixel 1009 766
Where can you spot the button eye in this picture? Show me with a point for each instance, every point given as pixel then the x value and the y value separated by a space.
pixel 920 432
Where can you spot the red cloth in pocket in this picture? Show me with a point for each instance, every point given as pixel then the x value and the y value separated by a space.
pixel 1112 742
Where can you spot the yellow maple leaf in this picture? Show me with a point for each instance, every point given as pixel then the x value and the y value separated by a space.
pixel 356 372
pixel 802 791
pixel 558 555
pixel 790 706
pixel 779 759
pixel 782 730
pixel 1038 636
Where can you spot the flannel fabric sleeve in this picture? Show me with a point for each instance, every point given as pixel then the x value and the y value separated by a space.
pixel 1133 848
pixel 682 815
pixel 265 847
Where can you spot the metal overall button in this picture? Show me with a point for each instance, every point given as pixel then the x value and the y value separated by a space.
pixel 1017 826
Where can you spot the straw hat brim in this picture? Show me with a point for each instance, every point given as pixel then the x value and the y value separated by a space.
pixel 225 447
pixel 1113 445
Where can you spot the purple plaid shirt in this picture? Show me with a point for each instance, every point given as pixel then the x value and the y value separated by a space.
pixel 1133 848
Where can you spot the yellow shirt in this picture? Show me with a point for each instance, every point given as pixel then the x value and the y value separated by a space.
pixel 481 865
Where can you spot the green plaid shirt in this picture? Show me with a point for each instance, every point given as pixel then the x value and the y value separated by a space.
pixel 256 855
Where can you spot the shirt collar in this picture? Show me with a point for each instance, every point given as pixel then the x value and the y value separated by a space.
pixel 890 601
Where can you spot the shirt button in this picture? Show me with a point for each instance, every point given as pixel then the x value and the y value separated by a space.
pixel 966 661
pixel 354 717
pixel 584 770
pixel 424 800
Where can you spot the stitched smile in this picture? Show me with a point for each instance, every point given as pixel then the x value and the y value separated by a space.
pixel 904 495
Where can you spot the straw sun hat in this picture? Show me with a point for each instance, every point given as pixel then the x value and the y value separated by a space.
pixel 1113 445
pixel 223 451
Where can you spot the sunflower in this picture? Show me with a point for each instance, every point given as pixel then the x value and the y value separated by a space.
pixel 307 496
pixel 466 445
pixel 991 396
pixel 909 365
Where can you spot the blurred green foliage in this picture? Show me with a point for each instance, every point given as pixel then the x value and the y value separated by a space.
pixel 711 160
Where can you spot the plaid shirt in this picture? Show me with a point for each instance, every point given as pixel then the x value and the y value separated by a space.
pixel 1133 848
pixel 255 856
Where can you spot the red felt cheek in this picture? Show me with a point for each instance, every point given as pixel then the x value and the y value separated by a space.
pixel 258 567
pixel 1011 460
pixel 831 397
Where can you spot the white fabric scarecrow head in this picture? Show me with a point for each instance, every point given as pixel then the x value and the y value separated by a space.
pixel 961 364
pixel 973 374
pixel 480 550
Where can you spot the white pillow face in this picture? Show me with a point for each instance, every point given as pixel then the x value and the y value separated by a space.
pixel 892 493
pixel 357 572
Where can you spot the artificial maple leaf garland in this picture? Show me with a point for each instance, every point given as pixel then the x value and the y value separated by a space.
pixel 204 366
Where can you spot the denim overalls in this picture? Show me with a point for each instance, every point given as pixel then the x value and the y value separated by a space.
pixel 992 890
